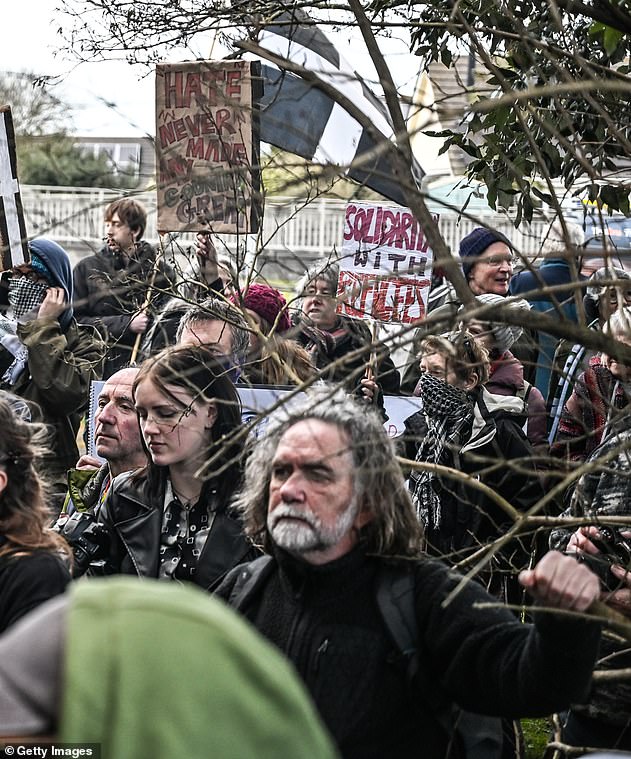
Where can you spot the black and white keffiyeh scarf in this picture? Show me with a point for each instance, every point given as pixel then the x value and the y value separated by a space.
pixel 12 343
pixel 449 413
pixel 25 295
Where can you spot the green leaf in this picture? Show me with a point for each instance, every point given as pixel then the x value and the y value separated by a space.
pixel 505 199
pixel 546 197
pixel 610 37
pixel 491 196
pixel 528 208
pixel 502 114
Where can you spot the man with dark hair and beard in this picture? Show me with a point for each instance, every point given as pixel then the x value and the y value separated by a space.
pixel 325 496
pixel 124 284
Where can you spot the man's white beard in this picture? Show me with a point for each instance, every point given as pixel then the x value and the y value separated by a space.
pixel 308 535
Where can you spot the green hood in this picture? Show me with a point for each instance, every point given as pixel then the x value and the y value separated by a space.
pixel 157 670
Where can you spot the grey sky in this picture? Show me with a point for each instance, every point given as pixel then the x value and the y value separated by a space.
pixel 29 42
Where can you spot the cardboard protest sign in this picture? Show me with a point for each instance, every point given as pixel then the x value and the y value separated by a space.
pixel 207 146
pixel 13 241
pixel 386 264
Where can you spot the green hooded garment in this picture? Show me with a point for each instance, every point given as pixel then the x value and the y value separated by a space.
pixel 157 670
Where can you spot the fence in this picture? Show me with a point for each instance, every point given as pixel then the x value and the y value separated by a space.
pixel 294 233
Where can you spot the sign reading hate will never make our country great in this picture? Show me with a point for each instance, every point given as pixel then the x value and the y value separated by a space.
pixel 207 147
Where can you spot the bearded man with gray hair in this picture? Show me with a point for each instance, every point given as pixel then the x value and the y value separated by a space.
pixel 325 497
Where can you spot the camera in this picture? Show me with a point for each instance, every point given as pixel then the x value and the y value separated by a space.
pixel 614 548
pixel 89 540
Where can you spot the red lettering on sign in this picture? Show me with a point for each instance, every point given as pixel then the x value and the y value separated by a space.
pixel 387 300
pixel 348 224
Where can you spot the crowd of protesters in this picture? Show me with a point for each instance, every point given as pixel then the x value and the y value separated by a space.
pixel 326 534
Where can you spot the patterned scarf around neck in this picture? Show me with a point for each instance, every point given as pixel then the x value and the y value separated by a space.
pixel 25 295
pixel 12 343
pixel 449 414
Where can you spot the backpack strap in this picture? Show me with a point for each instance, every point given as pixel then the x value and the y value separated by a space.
pixel 524 392
pixel 395 599
pixel 250 579
pixel 471 736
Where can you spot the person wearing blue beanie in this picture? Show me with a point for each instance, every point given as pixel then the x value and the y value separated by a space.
pixel 486 256
pixel 46 358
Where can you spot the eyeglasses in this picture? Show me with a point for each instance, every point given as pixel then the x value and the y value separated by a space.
pixel 322 292
pixel 497 261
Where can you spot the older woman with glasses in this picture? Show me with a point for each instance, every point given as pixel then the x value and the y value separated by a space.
pixel 464 427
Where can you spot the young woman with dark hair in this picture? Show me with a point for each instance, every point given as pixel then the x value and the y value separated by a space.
pixel 171 519
pixel 34 560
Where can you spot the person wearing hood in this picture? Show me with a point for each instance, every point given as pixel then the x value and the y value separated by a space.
pixel 562 246
pixel 111 288
pixel 138 667
pixel 46 358
pixel 466 428
pixel 506 373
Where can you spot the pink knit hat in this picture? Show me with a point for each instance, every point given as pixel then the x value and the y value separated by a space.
pixel 268 303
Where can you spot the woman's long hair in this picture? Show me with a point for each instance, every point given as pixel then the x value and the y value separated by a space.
pixel 280 361
pixel 199 371
pixel 24 516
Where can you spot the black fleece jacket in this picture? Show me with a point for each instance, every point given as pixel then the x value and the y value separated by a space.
pixel 326 620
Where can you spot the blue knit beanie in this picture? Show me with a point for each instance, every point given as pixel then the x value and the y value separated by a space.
pixel 40 268
pixel 475 243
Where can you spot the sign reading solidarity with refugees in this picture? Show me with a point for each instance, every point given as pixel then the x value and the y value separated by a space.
pixel 207 150
pixel 386 264
pixel 13 241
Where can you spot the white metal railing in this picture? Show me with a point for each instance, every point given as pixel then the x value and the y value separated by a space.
pixel 74 218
